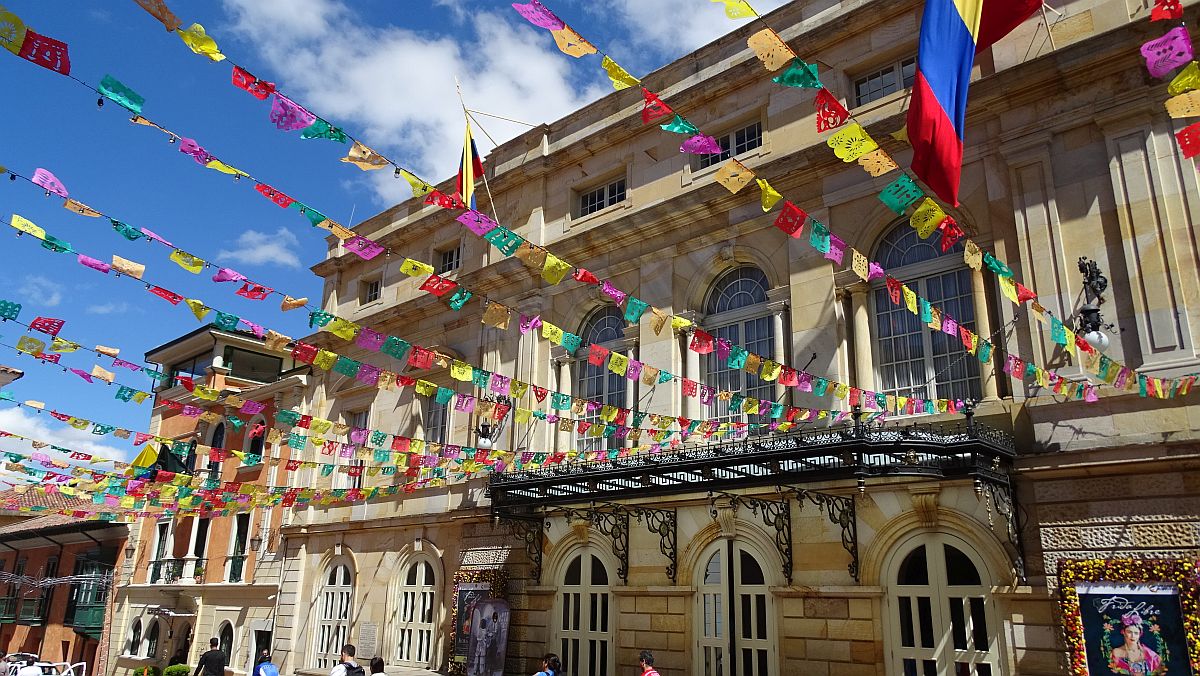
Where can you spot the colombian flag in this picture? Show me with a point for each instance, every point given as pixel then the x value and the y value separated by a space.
pixel 470 170
pixel 952 31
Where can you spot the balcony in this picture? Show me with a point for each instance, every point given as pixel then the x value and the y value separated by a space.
pixel 8 609
pixel 34 609
pixel 177 571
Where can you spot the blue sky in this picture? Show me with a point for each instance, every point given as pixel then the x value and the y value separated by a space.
pixel 383 69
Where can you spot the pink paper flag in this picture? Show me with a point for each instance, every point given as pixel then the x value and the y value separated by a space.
pixel 154 236
pixel 289 115
pixel 126 364
pixel 613 292
pixel 189 146
pixel 537 14
pixel 477 222
pixel 49 182
pixel 83 374
pixel 258 330
pixel 252 407
pixel 530 323
pixel 701 145
pixel 227 275
pixel 94 264
pixel 366 249
pixel 370 339
pixel 1169 52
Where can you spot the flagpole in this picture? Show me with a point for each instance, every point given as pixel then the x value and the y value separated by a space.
pixel 467 119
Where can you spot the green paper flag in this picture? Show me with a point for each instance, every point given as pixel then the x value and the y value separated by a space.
pixel 315 217
pixel 9 309
pixel 634 309
pixel 459 299
pixel 396 348
pixel 322 129
pixel 125 230
pixel 800 74
pixel 680 126
pixel 444 395
pixel 226 322
pixel 996 265
pixel 346 366
pixel 55 244
pixel 505 240
pixel 818 236
pixel 900 194
pixel 112 89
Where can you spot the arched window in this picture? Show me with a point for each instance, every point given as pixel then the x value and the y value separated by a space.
pixel 334 603
pixel 416 614
pixel 225 641
pixel 735 614
pixel 940 611
pixel 737 311
pixel 908 353
pixel 585 614
pixel 257 441
pixel 606 328
pixel 152 640
pixel 135 638
pixel 216 441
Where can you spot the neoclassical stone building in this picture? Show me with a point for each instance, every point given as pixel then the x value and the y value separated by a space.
pixel 923 545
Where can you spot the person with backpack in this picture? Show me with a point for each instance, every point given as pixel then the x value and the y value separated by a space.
pixel 348 667
pixel 212 663
pixel 551 665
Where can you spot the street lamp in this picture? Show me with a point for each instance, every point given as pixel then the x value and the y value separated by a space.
pixel 130 550
pixel 255 543
pixel 1091 326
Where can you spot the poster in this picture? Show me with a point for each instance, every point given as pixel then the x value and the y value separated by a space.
pixel 1133 629
pixel 488 638
pixel 469 593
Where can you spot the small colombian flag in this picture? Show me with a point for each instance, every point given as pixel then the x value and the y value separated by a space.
pixel 470 170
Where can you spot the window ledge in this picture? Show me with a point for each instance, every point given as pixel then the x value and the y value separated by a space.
pixel 691 177
pixel 627 203
pixel 364 306
pixel 864 108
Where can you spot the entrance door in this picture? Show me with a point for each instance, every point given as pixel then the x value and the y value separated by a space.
pixel 736 615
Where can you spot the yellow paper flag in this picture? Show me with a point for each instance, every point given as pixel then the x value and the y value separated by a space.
pixel 554 269
pixel 63 345
pixel 621 79
pixel 199 42
pixel 771 49
pixel 419 188
pixel 13 30
pixel 27 226
pixel 415 268
pixel 364 158
pixel 737 9
pixel 220 166
pixel 198 308
pixel 80 208
pixel 769 195
pixel 926 219
pixel 571 43
pixel 187 261
pixel 851 142
pixel 734 176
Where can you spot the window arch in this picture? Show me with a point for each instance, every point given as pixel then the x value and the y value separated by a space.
pixel 416 615
pixel 908 354
pixel 585 614
pixel 735 614
pixel 605 327
pixel 225 641
pixel 135 638
pixel 334 604
pixel 258 442
pixel 940 616
pixel 152 639
pixel 737 311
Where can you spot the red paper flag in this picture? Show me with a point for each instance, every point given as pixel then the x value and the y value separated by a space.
pixel 791 219
pixel 581 275
pixel 441 199
pixel 47 325
pixel 702 342
pixel 169 296
pixel 539 393
pixel 951 233
pixel 1189 140
pixel 253 291
pixel 1166 10
pixel 893 287
pixel 274 195
pixel 654 107
pixel 46 52
pixel 244 80
pixel 831 114
pixel 597 355
pixel 438 286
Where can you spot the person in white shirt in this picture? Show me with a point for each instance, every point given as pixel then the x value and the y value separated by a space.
pixel 30 669
pixel 347 667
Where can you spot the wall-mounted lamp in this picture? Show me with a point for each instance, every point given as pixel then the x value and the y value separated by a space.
pixel 130 550
pixel 255 543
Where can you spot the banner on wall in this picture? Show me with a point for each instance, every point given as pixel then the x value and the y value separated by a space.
pixel 488 638
pixel 1133 628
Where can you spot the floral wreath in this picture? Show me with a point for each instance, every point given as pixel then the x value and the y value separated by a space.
pixel 1183 573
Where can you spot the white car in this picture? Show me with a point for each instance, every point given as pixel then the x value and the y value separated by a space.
pixel 18 664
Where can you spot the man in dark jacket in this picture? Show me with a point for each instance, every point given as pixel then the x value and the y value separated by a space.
pixel 212 663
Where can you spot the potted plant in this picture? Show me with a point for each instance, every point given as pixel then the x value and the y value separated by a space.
pixel 147 671
pixel 177 670
pixel 199 573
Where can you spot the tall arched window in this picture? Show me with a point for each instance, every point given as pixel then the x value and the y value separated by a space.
pixel 585 618
pixel 940 611
pixel 737 311
pixel 135 638
pixel 606 328
pixel 216 441
pixel 735 615
pixel 225 641
pixel 258 441
pixel 416 614
pixel 334 603
pixel 152 640
pixel 908 353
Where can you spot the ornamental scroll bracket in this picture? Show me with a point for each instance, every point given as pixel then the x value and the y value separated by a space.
pixel 661 522
pixel 529 529
pixel 775 514
pixel 999 499
pixel 614 524
pixel 842 511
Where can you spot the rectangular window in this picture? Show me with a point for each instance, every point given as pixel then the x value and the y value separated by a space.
pixel 733 144
pixel 887 80
pixel 437 421
pixel 449 259
pixel 370 290
pixel 192 366
pixel 263 368
pixel 605 196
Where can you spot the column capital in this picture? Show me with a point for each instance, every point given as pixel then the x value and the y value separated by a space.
pixel 858 288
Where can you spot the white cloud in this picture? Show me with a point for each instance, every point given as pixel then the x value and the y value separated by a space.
pixel 42 427
pixel 112 308
pixel 677 26
pixel 261 248
pixel 396 87
pixel 41 290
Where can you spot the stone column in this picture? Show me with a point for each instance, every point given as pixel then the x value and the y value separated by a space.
pixel 983 327
pixel 631 399
pixel 562 440
pixel 779 354
pixel 864 367
pixel 691 371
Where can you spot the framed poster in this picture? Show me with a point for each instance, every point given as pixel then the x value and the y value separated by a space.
pixel 488 639
pixel 1131 617
pixel 470 588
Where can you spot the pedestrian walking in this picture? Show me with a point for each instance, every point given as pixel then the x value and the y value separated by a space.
pixel 376 665
pixel 646 659
pixel 212 663
pixel 263 665
pixel 551 665
pixel 348 667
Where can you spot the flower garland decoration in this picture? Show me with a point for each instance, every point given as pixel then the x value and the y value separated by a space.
pixel 1183 573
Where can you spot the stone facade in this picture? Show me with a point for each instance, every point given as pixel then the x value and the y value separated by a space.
pixel 1069 154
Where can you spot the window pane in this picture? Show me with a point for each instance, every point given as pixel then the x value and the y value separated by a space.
pixel 925 618
pixel 906 622
pixel 958 623
pixel 959 569
pixel 751 572
pixel 979 632
pixel 914 570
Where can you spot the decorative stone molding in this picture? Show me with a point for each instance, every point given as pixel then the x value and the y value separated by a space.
pixel 726 517
pixel 925 503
